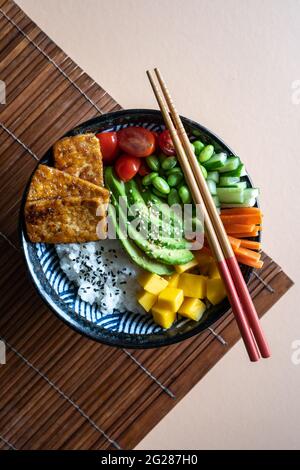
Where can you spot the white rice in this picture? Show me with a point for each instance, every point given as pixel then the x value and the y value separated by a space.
pixel 103 273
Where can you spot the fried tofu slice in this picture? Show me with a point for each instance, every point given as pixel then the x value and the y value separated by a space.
pixel 68 220
pixel 80 156
pixel 50 183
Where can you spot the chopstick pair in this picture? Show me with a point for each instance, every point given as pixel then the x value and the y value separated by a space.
pixel 238 294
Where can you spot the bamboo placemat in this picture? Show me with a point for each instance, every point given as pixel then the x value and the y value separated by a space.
pixel 59 390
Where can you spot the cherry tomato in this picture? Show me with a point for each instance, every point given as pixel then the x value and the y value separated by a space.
pixel 165 143
pixel 127 167
pixel 109 146
pixel 144 169
pixel 136 141
pixel 156 137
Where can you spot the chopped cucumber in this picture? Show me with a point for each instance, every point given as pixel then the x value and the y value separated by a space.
pixel 240 184
pixel 230 195
pixel 213 175
pixel 212 187
pixel 228 180
pixel 250 203
pixel 216 201
pixel 231 164
pixel 250 193
pixel 216 162
pixel 239 171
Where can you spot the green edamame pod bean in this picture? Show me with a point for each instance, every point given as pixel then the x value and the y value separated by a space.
pixel 147 180
pixel 175 171
pixel 153 162
pixel 173 197
pixel 196 133
pixel 169 163
pixel 206 153
pixel 159 194
pixel 174 180
pixel 198 146
pixel 204 171
pixel 185 194
pixel 161 185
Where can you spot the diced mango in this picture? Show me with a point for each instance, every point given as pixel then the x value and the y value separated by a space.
pixel 215 291
pixel 181 268
pixel 152 283
pixel 213 272
pixel 193 285
pixel 173 280
pixel 146 300
pixel 170 299
pixel 163 317
pixel 203 258
pixel 192 308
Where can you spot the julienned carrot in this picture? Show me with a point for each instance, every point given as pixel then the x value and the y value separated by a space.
pixel 246 219
pixel 249 262
pixel 246 253
pixel 250 244
pixel 239 228
pixel 248 234
pixel 241 211
pixel 234 242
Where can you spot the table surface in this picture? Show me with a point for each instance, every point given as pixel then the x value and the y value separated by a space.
pixel 240 66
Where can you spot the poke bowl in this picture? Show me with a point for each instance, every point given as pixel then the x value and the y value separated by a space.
pixel 93 285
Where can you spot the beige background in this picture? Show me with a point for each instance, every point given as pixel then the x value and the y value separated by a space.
pixel 231 65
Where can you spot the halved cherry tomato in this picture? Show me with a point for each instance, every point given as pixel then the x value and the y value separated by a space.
pixel 109 146
pixel 144 169
pixel 156 137
pixel 165 143
pixel 136 141
pixel 127 167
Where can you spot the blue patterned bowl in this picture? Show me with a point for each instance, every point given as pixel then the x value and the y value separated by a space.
pixel 126 329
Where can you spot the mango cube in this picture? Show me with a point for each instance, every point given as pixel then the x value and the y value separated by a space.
pixel 163 317
pixel 193 285
pixel 181 268
pixel 170 299
pixel 173 280
pixel 192 308
pixel 203 258
pixel 146 300
pixel 152 283
pixel 215 291
pixel 213 272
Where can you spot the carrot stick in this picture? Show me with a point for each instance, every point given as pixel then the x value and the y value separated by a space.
pixel 250 244
pixel 248 234
pixel 246 219
pixel 249 262
pixel 246 253
pixel 235 242
pixel 242 210
pixel 239 228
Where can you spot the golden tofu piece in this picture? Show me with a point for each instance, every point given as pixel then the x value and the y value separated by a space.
pixel 68 220
pixel 50 183
pixel 80 156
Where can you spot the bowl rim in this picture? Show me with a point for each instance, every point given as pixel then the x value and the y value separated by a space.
pixel 109 338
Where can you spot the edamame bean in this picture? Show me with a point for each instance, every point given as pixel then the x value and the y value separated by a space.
pixel 174 180
pixel 147 180
pixel 175 171
pixel 204 171
pixel 198 146
pixel 159 194
pixel 161 185
pixel 169 163
pixel 173 197
pixel 185 194
pixel 153 162
pixel 196 133
pixel 206 153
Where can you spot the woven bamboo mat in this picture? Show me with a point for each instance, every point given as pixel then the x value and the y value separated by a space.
pixel 59 390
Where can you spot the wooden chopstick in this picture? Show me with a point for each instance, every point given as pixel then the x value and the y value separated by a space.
pixel 229 255
pixel 211 235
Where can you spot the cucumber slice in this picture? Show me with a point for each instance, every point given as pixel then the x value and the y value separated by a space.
pixel 240 184
pixel 216 201
pixel 228 180
pixel 213 175
pixel 250 193
pixel 231 195
pixel 250 203
pixel 239 171
pixel 212 187
pixel 216 162
pixel 231 164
